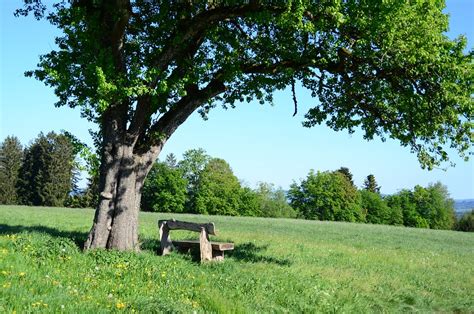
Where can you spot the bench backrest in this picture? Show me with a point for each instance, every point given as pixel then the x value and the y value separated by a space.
pixel 191 226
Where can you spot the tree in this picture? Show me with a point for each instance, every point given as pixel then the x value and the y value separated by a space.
pixel 218 190
pixel 11 156
pixel 140 68
pixel 164 189
pixel 466 223
pixel 193 163
pixel 326 196
pixel 272 201
pixel 434 204
pixel 47 174
pixel 371 185
pixel 375 209
pixel 347 173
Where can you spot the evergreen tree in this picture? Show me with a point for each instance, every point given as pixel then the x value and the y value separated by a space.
pixel 11 156
pixel 371 185
pixel 47 173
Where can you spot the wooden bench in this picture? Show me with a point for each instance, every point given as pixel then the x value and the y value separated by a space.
pixel 209 251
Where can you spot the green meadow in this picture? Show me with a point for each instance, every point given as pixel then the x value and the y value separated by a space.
pixel 278 265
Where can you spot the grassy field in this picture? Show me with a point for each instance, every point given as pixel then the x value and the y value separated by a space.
pixel 279 265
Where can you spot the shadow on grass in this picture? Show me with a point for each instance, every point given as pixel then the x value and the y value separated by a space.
pixel 250 252
pixel 78 237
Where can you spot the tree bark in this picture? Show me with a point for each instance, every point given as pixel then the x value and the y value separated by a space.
pixel 116 220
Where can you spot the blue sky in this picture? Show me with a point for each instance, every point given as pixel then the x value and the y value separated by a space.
pixel 261 143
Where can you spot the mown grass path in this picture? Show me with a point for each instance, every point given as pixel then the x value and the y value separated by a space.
pixel 279 265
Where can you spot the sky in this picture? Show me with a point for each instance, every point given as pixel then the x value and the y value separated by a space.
pixel 262 143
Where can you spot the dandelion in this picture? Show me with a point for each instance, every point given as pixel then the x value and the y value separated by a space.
pixel 120 305
pixel 7 285
pixel 22 274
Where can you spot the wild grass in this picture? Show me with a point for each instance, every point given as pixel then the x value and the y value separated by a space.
pixel 278 265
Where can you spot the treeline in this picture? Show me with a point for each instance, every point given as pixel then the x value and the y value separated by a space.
pixel 45 173
pixel 202 184
pixel 42 174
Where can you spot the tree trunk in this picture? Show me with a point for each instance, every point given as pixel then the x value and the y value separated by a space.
pixel 116 219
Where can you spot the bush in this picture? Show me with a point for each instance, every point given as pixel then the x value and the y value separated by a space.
pixel 466 223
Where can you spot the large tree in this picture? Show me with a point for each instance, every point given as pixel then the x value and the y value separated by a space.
pixel 140 68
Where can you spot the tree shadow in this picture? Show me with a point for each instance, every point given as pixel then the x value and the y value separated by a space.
pixel 76 236
pixel 250 252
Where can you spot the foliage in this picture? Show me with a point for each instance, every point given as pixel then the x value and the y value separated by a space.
pixel 43 270
pixel 374 207
pixel 193 163
pixel 11 155
pixel 272 202
pixel 326 196
pixel 370 184
pixel 429 207
pixel 387 66
pixel 466 223
pixel 164 189
pixel 218 190
pixel 47 175
pixel 347 173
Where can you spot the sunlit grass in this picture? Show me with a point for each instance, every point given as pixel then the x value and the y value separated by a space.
pixel 278 265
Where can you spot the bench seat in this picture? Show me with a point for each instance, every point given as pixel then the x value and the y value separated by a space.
pixel 217 246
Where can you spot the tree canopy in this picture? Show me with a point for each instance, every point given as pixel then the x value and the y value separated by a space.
pixel 385 66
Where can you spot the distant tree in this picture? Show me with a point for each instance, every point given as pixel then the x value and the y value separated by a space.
pixel 47 174
pixel 402 202
pixel 11 156
pixel 218 190
pixel 249 202
pixel 164 189
pixel 466 223
pixel 326 196
pixel 434 204
pixel 273 202
pixel 374 207
pixel 347 173
pixel 371 185
pixel 193 163
pixel 171 160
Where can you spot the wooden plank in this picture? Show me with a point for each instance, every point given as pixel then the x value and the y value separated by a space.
pixel 191 226
pixel 218 246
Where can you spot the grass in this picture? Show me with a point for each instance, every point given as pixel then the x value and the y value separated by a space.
pixel 279 265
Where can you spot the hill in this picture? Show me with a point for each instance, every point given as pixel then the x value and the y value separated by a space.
pixel 462 206
pixel 279 265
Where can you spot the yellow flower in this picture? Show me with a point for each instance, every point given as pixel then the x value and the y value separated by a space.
pixel 21 274
pixel 7 285
pixel 120 305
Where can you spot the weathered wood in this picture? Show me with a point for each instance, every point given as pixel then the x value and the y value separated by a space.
pixel 191 226
pixel 216 246
pixel 165 241
pixel 205 246
pixel 210 251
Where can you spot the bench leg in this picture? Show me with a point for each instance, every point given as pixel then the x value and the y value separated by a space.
pixel 205 246
pixel 165 241
pixel 217 255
